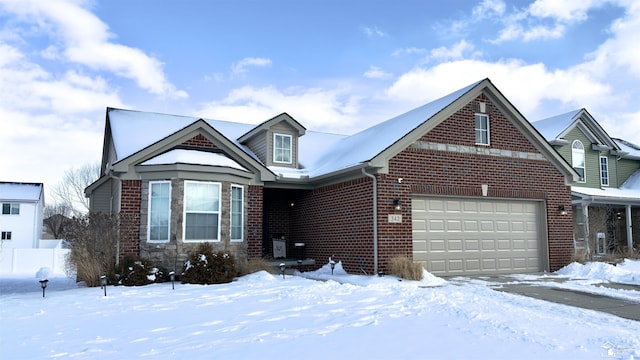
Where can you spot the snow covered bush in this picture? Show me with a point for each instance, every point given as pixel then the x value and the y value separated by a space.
pixel 405 268
pixel 137 272
pixel 206 267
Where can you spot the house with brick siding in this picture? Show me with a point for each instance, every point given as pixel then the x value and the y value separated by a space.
pixel 606 196
pixel 463 185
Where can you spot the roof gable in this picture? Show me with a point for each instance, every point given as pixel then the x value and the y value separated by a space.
pixel 265 126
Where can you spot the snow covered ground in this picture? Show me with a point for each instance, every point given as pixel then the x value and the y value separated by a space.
pixel 263 316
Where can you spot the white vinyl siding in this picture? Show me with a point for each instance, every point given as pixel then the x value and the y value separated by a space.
pixel 159 211
pixel 604 171
pixel 482 129
pixel 577 159
pixel 282 148
pixel 201 211
pixel 237 213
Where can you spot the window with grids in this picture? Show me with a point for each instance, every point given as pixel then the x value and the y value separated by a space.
pixel 10 209
pixel 237 212
pixel 282 152
pixel 159 211
pixel 604 171
pixel 202 211
pixel 577 158
pixel 482 129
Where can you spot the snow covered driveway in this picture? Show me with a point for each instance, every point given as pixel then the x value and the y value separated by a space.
pixel 265 316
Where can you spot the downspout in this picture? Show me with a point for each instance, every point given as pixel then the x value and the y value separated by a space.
pixel 629 231
pixel 375 220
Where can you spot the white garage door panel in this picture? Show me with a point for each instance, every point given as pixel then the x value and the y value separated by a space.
pixel 475 236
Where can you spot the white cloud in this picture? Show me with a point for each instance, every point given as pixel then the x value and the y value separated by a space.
pixel 373 32
pixel 80 37
pixel 410 51
pixel 242 65
pixel 565 11
pixel 318 109
pixel 375 72
pixel 488 8
pixel 456 51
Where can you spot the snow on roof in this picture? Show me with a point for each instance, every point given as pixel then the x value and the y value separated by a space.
pixel 14 191
pixel 365 145
pixel 632 183
pixel 552 127
pixel 319 153
pixel 628 147
pixel 627 194
pixel 184 156
pixel 132 131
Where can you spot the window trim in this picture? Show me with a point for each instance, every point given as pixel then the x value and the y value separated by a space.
pixel 231 212
pixel 486 131
pixel 604 171
pixel 290 150
pixel 574 152
pixel 14 208
pixel 185 212
pixel 151 183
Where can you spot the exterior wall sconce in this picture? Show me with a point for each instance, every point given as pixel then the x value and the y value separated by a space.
pixel 397 205
pixel 562 210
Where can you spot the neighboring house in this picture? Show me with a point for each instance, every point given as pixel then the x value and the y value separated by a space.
pixel 464 185
pixel 21 217
pixel 606 197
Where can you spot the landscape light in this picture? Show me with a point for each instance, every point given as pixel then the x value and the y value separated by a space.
pixel 172 275
pixel 43 284
pixel 103 283
pixel 333 265
pixel 282 267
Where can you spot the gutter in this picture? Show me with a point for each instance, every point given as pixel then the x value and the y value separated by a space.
pixel 375 220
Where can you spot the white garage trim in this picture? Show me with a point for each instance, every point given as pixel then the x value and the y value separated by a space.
pixel 467 236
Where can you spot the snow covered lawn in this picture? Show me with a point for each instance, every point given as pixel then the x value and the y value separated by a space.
pixel 263 316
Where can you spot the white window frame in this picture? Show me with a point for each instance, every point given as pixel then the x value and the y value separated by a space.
pixel 149 215
pixel 604 171
pixel 215 211
pixel 231 213
pixel 479 130
pixel 14 209
pixel 289 151
pixel 577 149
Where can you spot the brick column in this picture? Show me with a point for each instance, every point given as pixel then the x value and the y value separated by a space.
pixel 130 218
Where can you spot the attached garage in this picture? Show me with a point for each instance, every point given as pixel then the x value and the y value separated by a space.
pixel 470 236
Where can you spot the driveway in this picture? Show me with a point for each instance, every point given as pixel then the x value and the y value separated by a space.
pixel 542 289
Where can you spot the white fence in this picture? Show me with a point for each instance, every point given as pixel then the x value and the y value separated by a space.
pixel 31 261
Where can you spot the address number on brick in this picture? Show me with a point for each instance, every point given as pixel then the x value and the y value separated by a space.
pixel 395 218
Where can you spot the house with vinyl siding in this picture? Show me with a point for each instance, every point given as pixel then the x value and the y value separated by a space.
pixel 448 184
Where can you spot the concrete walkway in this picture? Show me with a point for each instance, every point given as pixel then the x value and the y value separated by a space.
pixel 622 308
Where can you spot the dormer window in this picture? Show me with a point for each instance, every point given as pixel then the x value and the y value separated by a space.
pixel 577 158
pixel 282 152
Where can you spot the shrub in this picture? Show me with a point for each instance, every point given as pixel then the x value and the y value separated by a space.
pixel 138 272
pixel 93 240
pixel 206 267
pixel 405 268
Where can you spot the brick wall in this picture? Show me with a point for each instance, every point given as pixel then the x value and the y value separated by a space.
pixel 130 218
pixel 254 221
pixel 337 221
pixel 200 141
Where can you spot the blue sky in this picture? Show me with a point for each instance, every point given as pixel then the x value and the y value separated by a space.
pixel 336 66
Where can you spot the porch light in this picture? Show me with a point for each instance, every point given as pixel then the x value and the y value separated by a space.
pixel 103 283
pixel 397 205
pixel 43 284
pixel 282 267
pixel 562 210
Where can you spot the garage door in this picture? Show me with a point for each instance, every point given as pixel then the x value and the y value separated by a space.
pixel 476 236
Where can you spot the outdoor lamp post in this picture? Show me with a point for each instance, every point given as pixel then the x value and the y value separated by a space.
pixel 282 266
pixel 43 284
pixel 333 266
pixel 103 283
pixel 172 275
